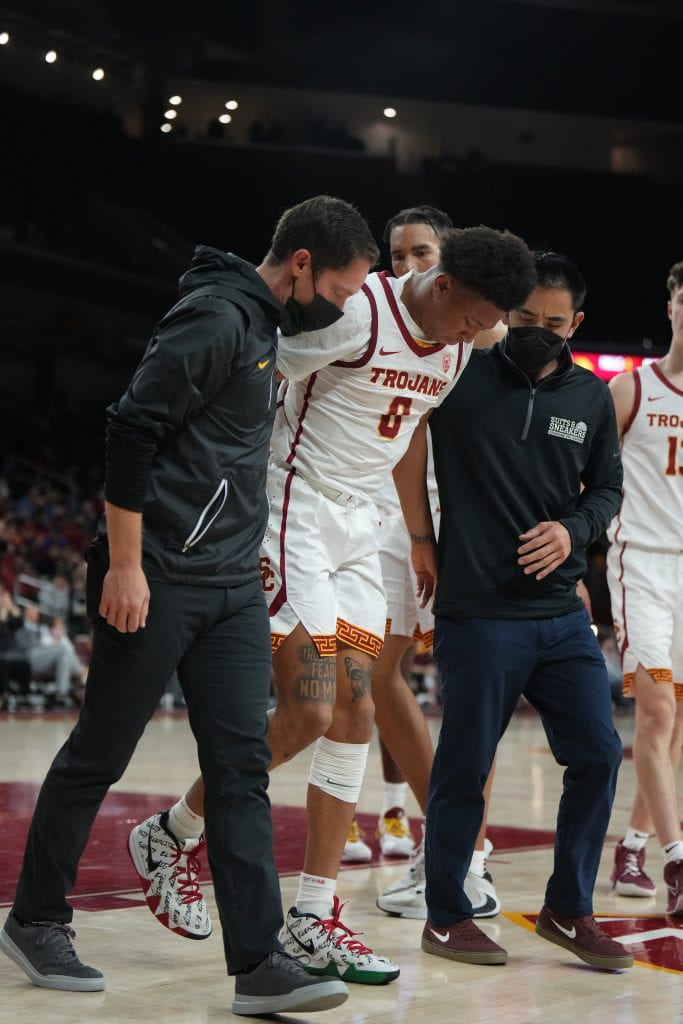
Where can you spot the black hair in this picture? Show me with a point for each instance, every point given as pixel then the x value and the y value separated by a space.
pixel 438 221
pixel 332 230
pixel 675 278
pixel 496 265
pixel 556 271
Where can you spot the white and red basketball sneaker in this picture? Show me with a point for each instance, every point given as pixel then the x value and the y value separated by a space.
pixel 168 870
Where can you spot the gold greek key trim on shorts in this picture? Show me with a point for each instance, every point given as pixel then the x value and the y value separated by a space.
pixel 387 628
pixel 326 644
pixel 359 638
pixel 276 641
pixel 426 639
pixel 659 675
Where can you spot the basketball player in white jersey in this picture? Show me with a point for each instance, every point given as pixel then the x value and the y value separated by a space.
pixel 347 412
pixel 413 237
pixel 645 575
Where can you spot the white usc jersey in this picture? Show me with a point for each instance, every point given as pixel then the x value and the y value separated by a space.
pixel 387 499
pixel 651 514
pixel 357 390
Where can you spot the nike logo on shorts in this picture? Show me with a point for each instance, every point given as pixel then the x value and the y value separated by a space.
pixel 569 932
pixel 263 363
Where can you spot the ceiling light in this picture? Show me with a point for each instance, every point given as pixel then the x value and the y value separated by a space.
pixel 98 74
pixel 231 105
pixel 50 56
pixel 175 101
pixel 170 114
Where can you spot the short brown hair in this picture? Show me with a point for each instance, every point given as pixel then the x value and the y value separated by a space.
pixel 675 278
pixel 331 229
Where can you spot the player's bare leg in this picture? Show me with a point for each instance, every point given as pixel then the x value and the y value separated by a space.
pixel 657 731
pixel 305 684
pixel 352 721
pixel 400 721
pixel 656 752
pixel 306 691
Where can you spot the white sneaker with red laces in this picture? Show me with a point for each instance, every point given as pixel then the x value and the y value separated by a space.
pixel 326 946
pixel 168 871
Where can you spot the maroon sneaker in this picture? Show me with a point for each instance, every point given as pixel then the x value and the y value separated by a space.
pixel 673 876
pixel 462 941
pixel 584 937
pixel 628 876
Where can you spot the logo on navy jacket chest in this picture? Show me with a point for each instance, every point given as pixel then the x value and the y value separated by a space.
pixel 567 429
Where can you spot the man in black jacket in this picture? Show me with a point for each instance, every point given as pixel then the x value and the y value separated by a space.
pixel 174 583
pixel 526 430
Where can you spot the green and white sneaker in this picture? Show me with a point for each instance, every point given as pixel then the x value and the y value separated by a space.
pixel 325 946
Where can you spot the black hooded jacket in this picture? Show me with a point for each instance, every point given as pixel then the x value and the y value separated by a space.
pixel 508 455
pixel 187 444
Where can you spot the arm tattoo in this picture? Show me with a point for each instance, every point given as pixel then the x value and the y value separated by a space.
pixel 422 538
pixel 359 678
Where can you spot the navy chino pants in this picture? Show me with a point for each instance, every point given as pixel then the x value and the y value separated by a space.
pixel 485 665
pixel 218 638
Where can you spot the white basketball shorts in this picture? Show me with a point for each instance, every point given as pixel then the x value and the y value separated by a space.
pixel 320 566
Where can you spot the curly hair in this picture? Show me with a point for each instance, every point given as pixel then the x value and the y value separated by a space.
pixel 675 278
pixel 437 220
pixel 496 265
pixel 333 231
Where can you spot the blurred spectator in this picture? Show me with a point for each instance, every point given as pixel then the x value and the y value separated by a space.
pixel 52 656
pixel 14 666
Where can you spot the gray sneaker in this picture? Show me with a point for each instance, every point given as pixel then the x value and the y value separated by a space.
pixel 280 985
pixel 45 952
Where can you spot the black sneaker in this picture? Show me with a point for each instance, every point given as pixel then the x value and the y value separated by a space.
pixel 45 952
pixel 280 985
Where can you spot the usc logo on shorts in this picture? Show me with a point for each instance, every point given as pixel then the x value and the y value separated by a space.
pixel 267 575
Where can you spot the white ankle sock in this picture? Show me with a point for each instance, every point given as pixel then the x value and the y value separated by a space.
pixel 635 840
pixel 673 851
pixel 315 895
pixel 478 863
pixel 394 795
pixel 183 822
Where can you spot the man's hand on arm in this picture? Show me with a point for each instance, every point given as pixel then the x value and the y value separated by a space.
pixel 543 549
pixel 125 593
pixel 423 559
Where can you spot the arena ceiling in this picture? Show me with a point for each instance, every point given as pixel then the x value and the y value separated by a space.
pixel 613 57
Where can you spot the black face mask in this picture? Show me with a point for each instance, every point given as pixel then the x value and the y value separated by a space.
pixel 321 313
pixel 530 348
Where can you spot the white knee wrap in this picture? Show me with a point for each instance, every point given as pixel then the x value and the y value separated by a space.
pixel 338 768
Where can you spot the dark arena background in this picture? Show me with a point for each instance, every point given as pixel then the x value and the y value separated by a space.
pixel 131 132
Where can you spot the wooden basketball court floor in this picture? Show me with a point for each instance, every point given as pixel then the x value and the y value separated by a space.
pixel 157 977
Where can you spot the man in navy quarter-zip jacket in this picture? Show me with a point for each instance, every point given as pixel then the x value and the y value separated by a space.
pixel 174 583
pixel 529 473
